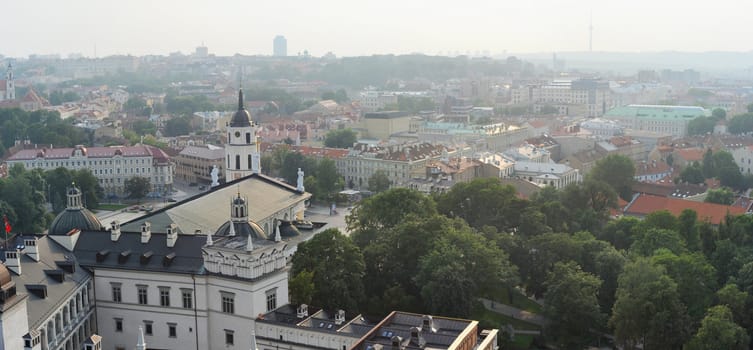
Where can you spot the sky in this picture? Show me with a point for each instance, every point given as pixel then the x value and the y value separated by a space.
pixel 365 27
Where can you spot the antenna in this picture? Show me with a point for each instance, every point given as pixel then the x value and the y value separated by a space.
pixel 590 31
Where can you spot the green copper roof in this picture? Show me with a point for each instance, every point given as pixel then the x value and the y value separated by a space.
pixel 658 112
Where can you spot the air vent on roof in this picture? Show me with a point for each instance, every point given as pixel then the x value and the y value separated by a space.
pixel 67 266
pixel 123 257
pixel 168 259
pixel 57 275
pixel 39 290
pixel 145 257
pixel 102 255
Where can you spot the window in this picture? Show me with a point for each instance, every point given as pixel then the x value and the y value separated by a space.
pixel 117 295
pixel 171 330
pixel 187 298
pixel 228 302
pixel 118 324
pixel 143 299
pixel 271 299
pixel 164 296
pixel 148 330
pixel 229 337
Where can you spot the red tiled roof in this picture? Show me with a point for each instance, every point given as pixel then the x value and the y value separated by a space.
pixel 710 212
pixel 91 152
pixel 690 154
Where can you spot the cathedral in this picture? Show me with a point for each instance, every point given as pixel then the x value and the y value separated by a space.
pixel 193 275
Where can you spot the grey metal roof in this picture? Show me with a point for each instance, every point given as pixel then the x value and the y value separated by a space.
pixel 33 273
pixel 129 253
pixel 70 219
pixel 210 210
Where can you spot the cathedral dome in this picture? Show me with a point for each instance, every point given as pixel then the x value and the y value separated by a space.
pixel 243 229
pixel 68 220
pixel 75 216
pixel 4 275
pixel 241 118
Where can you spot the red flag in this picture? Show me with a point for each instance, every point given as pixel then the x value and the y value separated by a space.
pixel 7 224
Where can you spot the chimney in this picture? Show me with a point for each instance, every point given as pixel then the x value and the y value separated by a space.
pixel 303 311
pixel 13 260
pixel 396 342
pixel 172 235
pixel 146 232
pixel 115 231
pixel 31 248
pixel 416 337
pixel 340 317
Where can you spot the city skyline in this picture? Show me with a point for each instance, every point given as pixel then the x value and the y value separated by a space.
pixel 227 27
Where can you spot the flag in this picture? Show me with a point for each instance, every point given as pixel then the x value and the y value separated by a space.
pixel 7 224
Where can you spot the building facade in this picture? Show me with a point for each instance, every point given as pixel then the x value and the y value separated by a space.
pixel 195 163
pixel 280 46
pixel 660 119
pixel 112 166
pixel 399 162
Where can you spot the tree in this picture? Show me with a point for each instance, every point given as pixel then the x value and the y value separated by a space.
pixel 695 277
pixel 617 171
pixel 719 113
pixel 701 126
pixel 741 124
pixel 446 288
pixel 134 104
pixel 178 126
pixel 719 331
pixel 692 174
pixel 726 170
pixel 137 187
pixel 731 296
pixel 329 178
pixel 338 270
pixel 302 287
pixel 379 182
pixel 342 138
pixel 338 96
pixel 483 202
pixel 572 305
pixel 688 229
pixel 720 196
pixel 653 239
pixel 648 310
pixel 386 210
pixel 144 127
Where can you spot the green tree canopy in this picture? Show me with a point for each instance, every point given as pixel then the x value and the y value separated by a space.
pixel 379 182
pixel 386 210
pixel 572 305
pixel 719 113
pixel 719 332
pixel 741 124
pixel 137 187
pixel 720 196
pixel 617 171
pixel 338 270
pixel 178 126
pixel 341 138
pixel 648 310
pixel 701 126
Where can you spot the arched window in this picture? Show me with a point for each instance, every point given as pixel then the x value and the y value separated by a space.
pixel 237 162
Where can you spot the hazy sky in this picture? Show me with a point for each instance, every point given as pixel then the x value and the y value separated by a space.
pixel 355 27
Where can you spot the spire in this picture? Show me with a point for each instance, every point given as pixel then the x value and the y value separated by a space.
pixel 141 344
pixel 240 99
pixel 249 243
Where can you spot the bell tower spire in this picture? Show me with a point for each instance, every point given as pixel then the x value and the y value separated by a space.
pixel 10 87
pixel 242 151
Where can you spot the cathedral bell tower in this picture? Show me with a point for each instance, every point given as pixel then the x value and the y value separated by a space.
pixel 242 151
pixel 10 87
